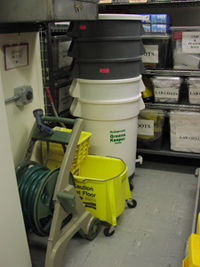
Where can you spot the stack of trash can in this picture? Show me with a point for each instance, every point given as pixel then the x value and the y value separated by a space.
pixel 107 82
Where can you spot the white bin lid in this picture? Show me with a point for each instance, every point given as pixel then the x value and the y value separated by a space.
pixel 120 17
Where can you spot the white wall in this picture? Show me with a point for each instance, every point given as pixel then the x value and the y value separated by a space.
pixel 20 119
pixel 15 126
pixel 13 246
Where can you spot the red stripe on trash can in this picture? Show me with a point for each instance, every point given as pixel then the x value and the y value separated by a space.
pixel 104 70
pixel 82 27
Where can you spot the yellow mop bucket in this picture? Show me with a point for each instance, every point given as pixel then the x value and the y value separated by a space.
pixel 103 186
pixel 193 257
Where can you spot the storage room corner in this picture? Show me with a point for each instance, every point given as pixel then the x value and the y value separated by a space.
pixel 100 153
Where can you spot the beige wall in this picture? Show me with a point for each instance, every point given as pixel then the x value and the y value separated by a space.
pixel 16 124
pixel 20 119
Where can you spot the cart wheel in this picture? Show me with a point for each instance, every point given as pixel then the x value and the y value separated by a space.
pixel 132 203
pixel 94 229
pixel 109 231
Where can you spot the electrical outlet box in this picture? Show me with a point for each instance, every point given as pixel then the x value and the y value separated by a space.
pixel 25 94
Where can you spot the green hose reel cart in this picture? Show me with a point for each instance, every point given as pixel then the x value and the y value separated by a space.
pixel 50 204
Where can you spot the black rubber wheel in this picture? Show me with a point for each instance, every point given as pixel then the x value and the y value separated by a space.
pixel 108 232
pixel 94 229
pixel 132 204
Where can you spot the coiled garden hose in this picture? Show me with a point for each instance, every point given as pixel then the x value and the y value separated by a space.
pixel 36 186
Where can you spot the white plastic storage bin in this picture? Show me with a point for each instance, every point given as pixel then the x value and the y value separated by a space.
pixel 150 129
pixel 106 90
pixel 156 46
pixel 194 90
pixel 186 48
pixel 185 131
pixel 166 89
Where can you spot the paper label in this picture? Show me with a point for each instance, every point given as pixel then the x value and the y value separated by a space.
pixel 145 127
pixel 64 59
pixel 177 36
pixel 187 137
pixel 194 93
pixel 87 193
pixel 151 55
pixel 65 100
pixel 191 42
pixel 104 70
pixel 82 27
pixel 166 93
pixel 16 56
pixel 117 136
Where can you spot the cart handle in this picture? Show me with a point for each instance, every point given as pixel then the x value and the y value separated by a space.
pixel 59 119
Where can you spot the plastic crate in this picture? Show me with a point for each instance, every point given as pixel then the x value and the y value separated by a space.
pixel 56 152
pixel 103 186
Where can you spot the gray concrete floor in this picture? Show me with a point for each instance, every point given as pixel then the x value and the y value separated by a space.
pixel 152 234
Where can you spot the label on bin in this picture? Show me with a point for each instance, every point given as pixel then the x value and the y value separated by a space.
pixel 104 70
pixel 166 93
pixel 145 127
pixel 187 137
pixel 177 36
pixel 63 59
pixel 195 93
pixel 117 136
pixel 191 42
pixel 82 27
pixel 151 55
pixel 65 99
pixel 87 195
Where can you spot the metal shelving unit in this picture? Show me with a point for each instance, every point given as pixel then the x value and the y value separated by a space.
pixel 170 106
pixel 167 152
pixel 171 72
pixel 52 77
pixel 152 3
pixel 182 13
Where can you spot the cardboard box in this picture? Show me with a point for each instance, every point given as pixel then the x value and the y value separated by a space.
pixel 160 19
pixel 147 27
pixel 160 28
pixel 146 18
